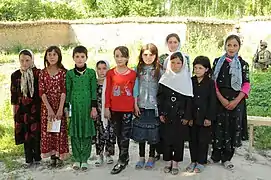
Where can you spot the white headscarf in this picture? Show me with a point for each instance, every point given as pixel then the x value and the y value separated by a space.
pixel 27 78
pixel 104 120
pixel 180 82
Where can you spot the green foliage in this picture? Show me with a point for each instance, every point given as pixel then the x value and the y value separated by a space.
pixel 12 10
pixel 259 104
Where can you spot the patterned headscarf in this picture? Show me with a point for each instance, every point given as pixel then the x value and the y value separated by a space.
pixel 27 79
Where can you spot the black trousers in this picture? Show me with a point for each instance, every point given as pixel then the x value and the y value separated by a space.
pixel 123 129
pixel 142 150
pixel 159 147
pixel 32 150
pixel 173 151
pixel 222 155
pixel 199 143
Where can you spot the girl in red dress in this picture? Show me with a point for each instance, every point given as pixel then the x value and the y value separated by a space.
pixel 52 91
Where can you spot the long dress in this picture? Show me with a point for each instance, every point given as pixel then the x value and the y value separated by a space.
pixel 53 87
pixel 228 125
pixel 27 116
pixel 81 92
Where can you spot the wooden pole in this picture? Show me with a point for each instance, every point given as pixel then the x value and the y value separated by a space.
pixel 251 139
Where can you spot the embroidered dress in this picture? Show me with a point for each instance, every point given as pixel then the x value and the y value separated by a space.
pixel 53 87
pixel 27 116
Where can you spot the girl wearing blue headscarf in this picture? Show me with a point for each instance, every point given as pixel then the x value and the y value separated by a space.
pixel 231 76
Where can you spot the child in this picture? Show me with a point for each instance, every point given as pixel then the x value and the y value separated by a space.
pixel 81 84
pixel 53 93
pixel 173 43
pixel 119 89
pixel 105 130
pixel 26 107
pixel 231 75
pixel 174 106
pixel 146 125
pixel 203 110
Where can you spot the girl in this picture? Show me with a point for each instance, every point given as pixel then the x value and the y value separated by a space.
pixel 231 75
pixel 81 87
pixel 26 107
pixel 203 110
pixel 105 131
pixel 119 89
pixel 146 125
pixel 174 106
pixel 173 43
pixel 53 93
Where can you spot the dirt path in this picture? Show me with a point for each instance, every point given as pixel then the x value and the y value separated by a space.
pixel 260 169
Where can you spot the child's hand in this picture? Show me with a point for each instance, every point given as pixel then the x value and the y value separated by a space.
pixel 232 104
pixel 93 113
pixel 137 110
pixel 59 114
pixel 184 121
pixel 107 113
pixel 225 102
pixel 51 114
pixel 190 123
pixel 162 119
pixel 66 111
pixel 207 123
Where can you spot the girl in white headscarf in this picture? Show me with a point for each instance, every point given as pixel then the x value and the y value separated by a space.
pixel 174 97
pixel 105 139
pixel 26 107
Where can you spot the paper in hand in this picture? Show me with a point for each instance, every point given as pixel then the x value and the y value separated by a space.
pixel 53 126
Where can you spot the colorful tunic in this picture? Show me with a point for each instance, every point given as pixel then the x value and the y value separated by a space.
pixel 53 87
pixel 27 115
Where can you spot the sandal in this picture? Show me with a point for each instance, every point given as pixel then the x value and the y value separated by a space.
pixel 27 165
pixel 228 165
pixel 191 167
pixel 175 171
pixel 140 164
pixel 167 169
pixel 109 160
pixel 199 168
pixel 118 168
pixel 150 164
pixel 84 166
pixel 76 166
pixel 59 163
pixel 211 161
pixel 99 161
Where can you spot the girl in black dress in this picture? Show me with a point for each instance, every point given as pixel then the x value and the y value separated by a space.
pixel 174 106
pixel 203 108
pixel 231 75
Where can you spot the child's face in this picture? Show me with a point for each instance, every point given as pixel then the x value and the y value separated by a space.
pixel 176 65
pixel 101 70
pixel 200 70
pixel 25 61
pixel 120 60
pixel 232 47
pixel 148 57
pixel 172 44
pixel 52 57
pixel 80 59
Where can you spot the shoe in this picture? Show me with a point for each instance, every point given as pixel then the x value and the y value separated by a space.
pixel 118 168
pixel 99 161
pixel 109 160
pixel 84 166
pixel 76 166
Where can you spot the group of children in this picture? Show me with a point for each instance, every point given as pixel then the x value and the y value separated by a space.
pixel 157 102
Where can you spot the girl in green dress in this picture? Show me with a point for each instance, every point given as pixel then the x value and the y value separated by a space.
pixel 81 87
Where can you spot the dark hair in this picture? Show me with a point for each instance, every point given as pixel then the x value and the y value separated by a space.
pixel 233 36
pixel 124 51
pixel 26 52
pixel 177 55
pixel 100 62
pixel 80 49
pixel 58 51
pixel 205 62
pixel 153 49
pixel 173 35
